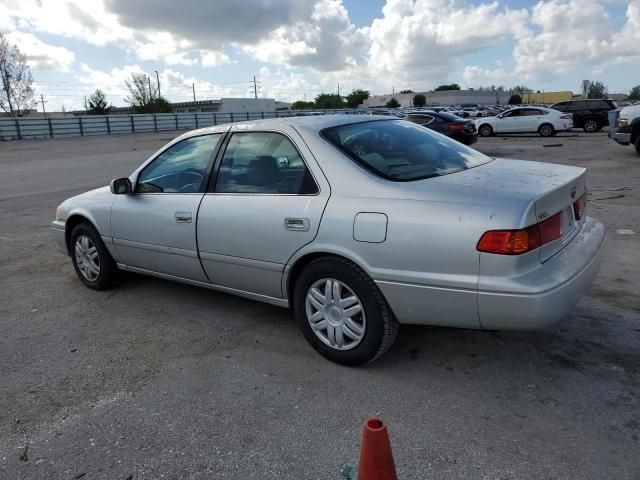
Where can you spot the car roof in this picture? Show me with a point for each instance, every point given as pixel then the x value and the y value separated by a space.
pixel 310 123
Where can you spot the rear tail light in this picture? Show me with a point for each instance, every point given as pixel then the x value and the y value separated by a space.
pixel 566 117
pixel 456 127
pixel 517 242
pixel 579 206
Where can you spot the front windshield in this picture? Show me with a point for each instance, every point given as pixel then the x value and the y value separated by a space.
pixel 402 151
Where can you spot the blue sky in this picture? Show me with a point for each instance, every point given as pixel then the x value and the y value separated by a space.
pixel 299 48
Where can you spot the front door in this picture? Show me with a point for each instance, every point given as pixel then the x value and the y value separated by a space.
pixel 265 204
pixel 509 122
pixel 154 228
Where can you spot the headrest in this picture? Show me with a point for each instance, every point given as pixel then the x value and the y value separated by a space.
pixel 262 170
pixel 423 154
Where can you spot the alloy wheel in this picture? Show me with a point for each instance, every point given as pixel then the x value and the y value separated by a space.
pixel 87 258
pixel 590 126
pixel 335 314
pixel 546 130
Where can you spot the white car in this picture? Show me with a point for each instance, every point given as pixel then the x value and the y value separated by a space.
pixel 544 121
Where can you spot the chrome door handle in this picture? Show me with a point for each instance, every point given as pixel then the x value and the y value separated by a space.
pixel 183 217
pixel 297 224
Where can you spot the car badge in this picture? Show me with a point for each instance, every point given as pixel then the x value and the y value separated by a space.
pixel 573 192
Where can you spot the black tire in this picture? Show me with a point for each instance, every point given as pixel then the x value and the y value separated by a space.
pixel 546 130
pixel 638 144
pixel 107 267
pixel 381 325
pixel 591 125
pixel 485 130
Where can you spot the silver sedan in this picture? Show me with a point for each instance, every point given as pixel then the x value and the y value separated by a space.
pixel 358 225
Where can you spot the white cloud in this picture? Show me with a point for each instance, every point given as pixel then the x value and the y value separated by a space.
pixel 325 41
pixel 421 39
pixel 40 55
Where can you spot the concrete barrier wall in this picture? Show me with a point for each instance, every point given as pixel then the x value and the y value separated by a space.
pixel 80 126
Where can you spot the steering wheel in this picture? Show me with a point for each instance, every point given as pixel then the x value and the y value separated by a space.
pixel 189 180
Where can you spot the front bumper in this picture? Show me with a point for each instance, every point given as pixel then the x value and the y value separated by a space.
pixel 622 138
pixel 547 293
pixel 57 227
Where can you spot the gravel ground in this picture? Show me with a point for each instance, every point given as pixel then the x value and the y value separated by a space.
pixel 161 380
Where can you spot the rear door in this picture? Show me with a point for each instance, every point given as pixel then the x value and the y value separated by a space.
pixel 263 204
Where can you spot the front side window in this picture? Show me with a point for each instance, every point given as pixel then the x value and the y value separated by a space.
pixel 179 169
pixel 263 162
pixel 402 151
pixel 512 113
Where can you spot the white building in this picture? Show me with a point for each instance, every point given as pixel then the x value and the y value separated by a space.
pixel 446 97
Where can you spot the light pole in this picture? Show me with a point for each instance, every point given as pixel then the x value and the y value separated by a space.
pixel 158 83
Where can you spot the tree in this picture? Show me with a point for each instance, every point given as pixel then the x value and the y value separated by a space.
pixel 406 91
pixel 357 97
pixel 521 89
pixel 143 95
pixel 300 105
pixel 393 103
pixel 17 89
pixel 98 103
pixel 419 100
pixel 451 86
pixel 515 100
pixel 329 100
pixel 596 90
pixel 634 94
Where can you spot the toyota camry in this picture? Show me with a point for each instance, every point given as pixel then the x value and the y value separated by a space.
pixel 356 224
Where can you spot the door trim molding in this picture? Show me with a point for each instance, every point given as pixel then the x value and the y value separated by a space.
pixel 279 302
pixel 244 262
pixel 155 248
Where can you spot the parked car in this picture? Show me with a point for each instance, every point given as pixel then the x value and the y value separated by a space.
pixel 544 121
pixel 590 115
pixel 447 124
pixel 625 130
pixel 357 224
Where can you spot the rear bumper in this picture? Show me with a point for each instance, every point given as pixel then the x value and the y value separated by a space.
pixel 547 293
pixel 59 237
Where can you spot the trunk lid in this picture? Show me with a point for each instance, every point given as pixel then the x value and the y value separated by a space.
pixel 535 191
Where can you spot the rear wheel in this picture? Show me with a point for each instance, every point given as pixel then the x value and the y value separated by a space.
pixel 91 259
pixel 638 144
pixel 485 130
pixel 591 125
pixel 342 312
pixel 546 130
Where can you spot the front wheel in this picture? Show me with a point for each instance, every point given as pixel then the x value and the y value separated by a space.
pixel 546 130
pixel 91 259
pixel 342 312
pixel 485 130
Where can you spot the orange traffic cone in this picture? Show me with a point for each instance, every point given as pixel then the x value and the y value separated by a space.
pixel 376 459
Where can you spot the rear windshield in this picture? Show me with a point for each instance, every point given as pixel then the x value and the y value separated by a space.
pixel 450 116
pixel 402 151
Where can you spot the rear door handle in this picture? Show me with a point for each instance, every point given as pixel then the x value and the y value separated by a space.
pixel 183 217
pixel 297 224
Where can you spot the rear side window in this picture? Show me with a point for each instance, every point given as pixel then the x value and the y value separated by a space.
pixel 401 151
pixel 263 162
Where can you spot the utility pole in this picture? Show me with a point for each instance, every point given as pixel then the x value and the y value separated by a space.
pixel 393 89
pixel 43 102
pixel 149 81
pixel 193 86
pixel 158 82
pixel 255 88
pixel 85 104
pixel 338 89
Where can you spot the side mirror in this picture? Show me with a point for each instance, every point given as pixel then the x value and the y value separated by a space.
pixel 121 186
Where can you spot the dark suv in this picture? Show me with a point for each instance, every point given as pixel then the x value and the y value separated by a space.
pixel 590 115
